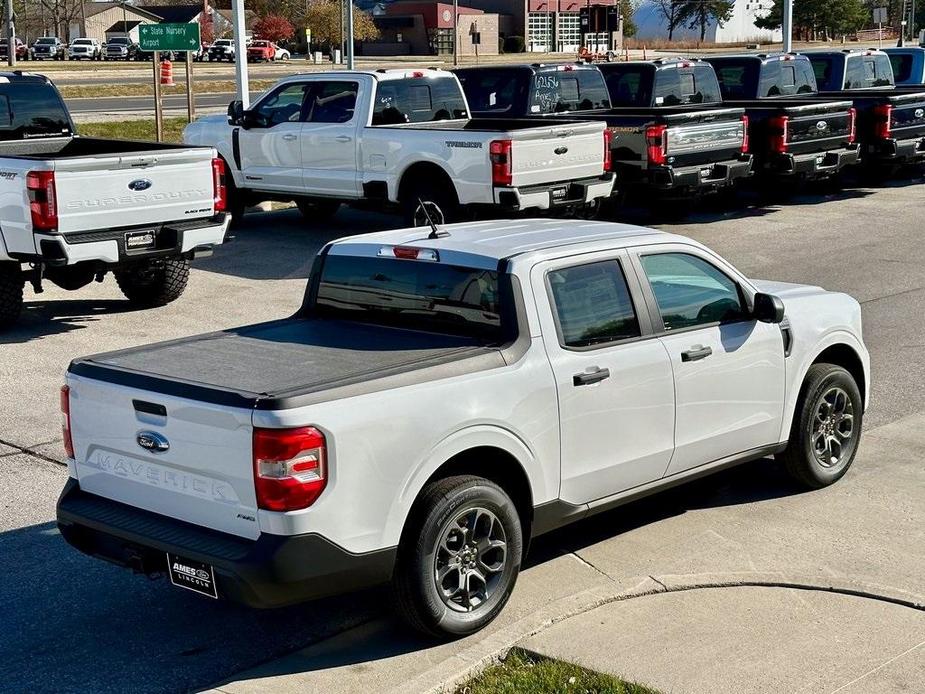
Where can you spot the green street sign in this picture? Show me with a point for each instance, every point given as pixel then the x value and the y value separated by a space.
pixel 168 37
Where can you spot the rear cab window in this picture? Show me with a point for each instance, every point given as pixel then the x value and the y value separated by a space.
pixel 418 100
pixel 676 86
pixel 561 91
pixel 738 78
pixel 902 66
pixel 31 110
pixel 417 294
pixel 629 85
pixel 496 91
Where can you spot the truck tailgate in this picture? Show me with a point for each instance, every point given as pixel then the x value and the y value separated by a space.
pixel 559 153
pixel 133 189
pixel 204 477
pixel 819 127
pixel 707 141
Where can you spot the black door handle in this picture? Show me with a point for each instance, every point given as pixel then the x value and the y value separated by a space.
pixel 696 353
pixel 588 377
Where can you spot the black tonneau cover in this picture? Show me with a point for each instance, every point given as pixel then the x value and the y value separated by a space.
pixel 290 363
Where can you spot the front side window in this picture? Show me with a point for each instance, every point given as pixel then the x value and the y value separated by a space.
pixel 592 304
pixel 332 102
pixel 281 106
pixel 690 291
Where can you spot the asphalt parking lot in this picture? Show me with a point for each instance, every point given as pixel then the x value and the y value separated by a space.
pixel 74 624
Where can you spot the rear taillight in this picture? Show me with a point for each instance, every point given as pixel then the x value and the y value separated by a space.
pixel 501 165
pixel 43 201
pixel 608 158
pixel 66 421
pixel 657 144
pixel 219 188
pixel 290 467
pixel 852 125
pixel 883 121
pixel 778 134
pixel 744 134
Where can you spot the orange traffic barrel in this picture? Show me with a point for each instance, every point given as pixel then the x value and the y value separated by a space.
pixel 166 73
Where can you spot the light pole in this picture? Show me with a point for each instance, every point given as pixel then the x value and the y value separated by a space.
pixel 787 25
pixel 10 35
pixel 349 34
pixel 455 33
pixel 240 52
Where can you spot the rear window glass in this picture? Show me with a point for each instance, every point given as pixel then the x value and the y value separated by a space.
pixel 678 86
pixel 495 91
pixel 738 79
pixel 629 85
pixel 862 72
pixel 33 110
pixel 563 91
pixel 902 67
pixel 823 69
pixel 418 100
pixel 416 294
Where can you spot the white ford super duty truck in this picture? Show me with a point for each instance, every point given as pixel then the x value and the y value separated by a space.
pixel 400 137
pixel 441 398
pixel 74 208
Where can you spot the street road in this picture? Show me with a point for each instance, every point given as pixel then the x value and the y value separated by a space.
pixel 75 624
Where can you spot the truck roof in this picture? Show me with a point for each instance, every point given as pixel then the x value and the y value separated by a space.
pixel 381 75
pixel 7 77
pixel 486 243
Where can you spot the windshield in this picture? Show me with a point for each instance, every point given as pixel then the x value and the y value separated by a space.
pixel 83 42
pixel 118 41
pixel 223 42
pixel 47 42
pixel 414 294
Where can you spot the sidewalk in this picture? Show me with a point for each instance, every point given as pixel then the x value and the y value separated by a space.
pixel 735 583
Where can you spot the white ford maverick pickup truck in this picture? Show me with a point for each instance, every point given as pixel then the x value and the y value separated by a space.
pixel 400 137
pixel 443 396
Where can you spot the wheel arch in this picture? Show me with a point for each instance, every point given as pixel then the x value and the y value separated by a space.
pixel 421 172
pixel 843 355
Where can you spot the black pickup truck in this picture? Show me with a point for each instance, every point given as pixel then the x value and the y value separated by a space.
pixel 668 132
pixel 891 120
pixel 793 132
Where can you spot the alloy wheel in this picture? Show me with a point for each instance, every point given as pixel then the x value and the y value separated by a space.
pixel 470 559
pixel 833 427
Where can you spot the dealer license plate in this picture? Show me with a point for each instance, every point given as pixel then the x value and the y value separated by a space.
pixel 192 575
pixel 140 240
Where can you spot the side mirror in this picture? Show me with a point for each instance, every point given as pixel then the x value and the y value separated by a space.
pixel 235 113
pixel 768 308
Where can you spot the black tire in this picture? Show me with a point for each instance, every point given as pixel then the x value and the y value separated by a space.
pixel 11 284
pixel 419 599
pixel 317 210
pixel 441 205
pixel 822 391
pixel 155 282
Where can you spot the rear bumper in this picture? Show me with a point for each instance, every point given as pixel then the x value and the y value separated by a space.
pixel 108 246
pixel 700 177
pixel 554 195
pixel 813 164
pixel 271 571
pixel 896 151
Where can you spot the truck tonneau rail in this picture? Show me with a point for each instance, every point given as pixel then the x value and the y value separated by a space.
pixel 287 363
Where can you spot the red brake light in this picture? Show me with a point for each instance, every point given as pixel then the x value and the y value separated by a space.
pixel 657 144
pixel 66 421
pixel 406 253
pixel 219 188
pixel 290 467
pixel 883 121
pixel 852 125
pixel 744 134
pixel 778 133
pixel 417 75
pixel 43 200
pixel 501 165
pixel 608 156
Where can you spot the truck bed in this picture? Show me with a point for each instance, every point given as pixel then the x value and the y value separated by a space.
pixel 289 363
pixel 63 147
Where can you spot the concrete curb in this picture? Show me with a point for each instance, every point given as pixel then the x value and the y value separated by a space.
pixel 453 671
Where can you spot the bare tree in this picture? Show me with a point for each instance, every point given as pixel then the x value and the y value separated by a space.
pixel 670 10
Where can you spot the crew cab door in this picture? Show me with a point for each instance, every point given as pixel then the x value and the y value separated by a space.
pixel 613 376
pixel 329 139
pixel 271 154
pixel 728 368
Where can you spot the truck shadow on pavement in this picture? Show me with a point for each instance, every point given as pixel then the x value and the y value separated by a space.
pixel 53 317
pixel 72 623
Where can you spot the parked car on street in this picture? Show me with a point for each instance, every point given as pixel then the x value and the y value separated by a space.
pixel 400 138
pixel 222 49
pixel 908 65
pixel 121 48
pixel 73 209
pixel 85 49
pixel 662 139
pixel 261 51
pixel 22 50
pixel 793 131
pixel 891 120
pixel 282 53
pixel 442 397
pixel 49 48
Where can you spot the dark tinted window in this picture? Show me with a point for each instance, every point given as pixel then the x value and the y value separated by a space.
pixel 690 291
pixel 902 66
pixel 568 90
pixel 32 110
pixel 418 100
pixel 629 85
pixel 497 91
pixel 282 105
pixel 677 86
pixel 417 294
pixel 862 72
pixel 738 79
pixel 331 102
pixel 824 68
pixel 592 304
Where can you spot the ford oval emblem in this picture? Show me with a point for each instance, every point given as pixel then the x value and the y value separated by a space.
pixel 140 184
pixel 152 441
pixel 561 150
pixel 919 112
pixel 821 125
